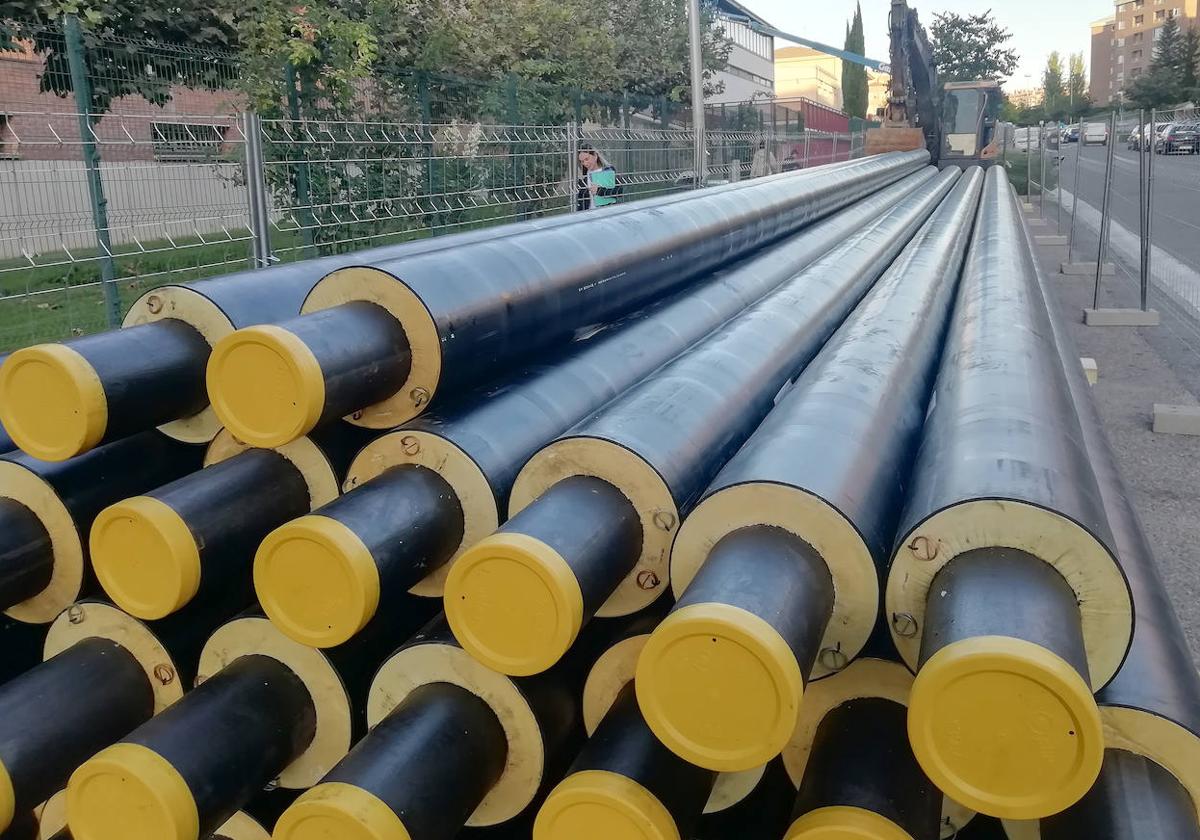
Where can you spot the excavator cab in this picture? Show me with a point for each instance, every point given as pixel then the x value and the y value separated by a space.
pixel 970 117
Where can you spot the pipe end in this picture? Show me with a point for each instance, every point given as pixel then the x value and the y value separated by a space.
pixel 600 805
pixel 845 822
pixel 145 557
pixel 52 402
pixel 719 687
pixel 1005 727
pixel 514 604
pixel 266 385
pixel 335 809
pixel 129 792
pixel 317 581
pixel 8 799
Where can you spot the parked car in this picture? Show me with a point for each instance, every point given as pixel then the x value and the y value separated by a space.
pixel 1071 134
pixel 1135 138
pixel 1095 134
pixel 1179 137
pixel 1140 138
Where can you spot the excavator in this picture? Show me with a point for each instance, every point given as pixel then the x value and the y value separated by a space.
pixel 959 124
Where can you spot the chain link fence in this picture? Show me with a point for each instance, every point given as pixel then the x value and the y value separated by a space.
pixel 167 177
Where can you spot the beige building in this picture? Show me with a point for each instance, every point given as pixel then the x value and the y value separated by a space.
pixel 800 71
pixel 1026 97
pixel 1123 45
pixel 878 84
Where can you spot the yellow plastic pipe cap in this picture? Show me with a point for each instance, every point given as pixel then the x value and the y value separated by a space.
pixel 8 799
pixel 719 687
pixel 145 557
pixel 265 385
pixel 514 604
pixel 337 811
pixel 1005 727
pixel 316 581
pixel 599 805
pixel 130 792
pixel 845 822
pixel 52 402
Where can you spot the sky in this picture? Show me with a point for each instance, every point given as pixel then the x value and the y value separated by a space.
pixel 1038 26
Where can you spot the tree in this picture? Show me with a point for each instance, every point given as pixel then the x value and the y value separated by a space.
pixel 969 47
pixel 1053 91
pixel 855 86
pixel 154 56
pixel 1170 69
pixel 1077 95
pixel 1191 63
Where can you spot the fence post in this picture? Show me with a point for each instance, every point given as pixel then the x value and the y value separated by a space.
pixel 81 84
pixel 1106 209
pixel 699 158
pixel 572 166
pixel 1042 169
pixel 1148 243
pixel 308 221
pixel 256 191
pixel 1029 166
pixel 1075 195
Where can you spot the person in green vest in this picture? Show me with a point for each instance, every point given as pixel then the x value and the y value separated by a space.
pixel 597 185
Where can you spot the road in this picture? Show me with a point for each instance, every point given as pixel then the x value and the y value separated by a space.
pixel 1176 194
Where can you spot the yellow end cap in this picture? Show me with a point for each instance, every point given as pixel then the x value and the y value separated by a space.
pixel 145 557
pixel 337 811
pixel 130 792
pixel 52 402
pixel 719 687
pixel 845 822
pixel 514 604
pixel 1005 727
pixel 266 386
pixel 599 805
pixel 316 581
pixel 8 799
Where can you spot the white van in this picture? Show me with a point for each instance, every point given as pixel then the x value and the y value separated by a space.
pixel 1094 133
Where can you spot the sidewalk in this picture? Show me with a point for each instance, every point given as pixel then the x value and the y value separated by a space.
pixel 1137 368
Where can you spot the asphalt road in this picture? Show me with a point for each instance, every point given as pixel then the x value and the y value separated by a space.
pixel 1176 194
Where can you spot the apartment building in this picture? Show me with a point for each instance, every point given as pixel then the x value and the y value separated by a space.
pixel 750 73
pixel 1123 44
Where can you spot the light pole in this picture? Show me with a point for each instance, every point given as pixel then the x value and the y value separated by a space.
pixel 695 46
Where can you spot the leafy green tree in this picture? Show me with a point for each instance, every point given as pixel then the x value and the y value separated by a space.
pixel 855 86
pixel 969 47
pixel 1078 100
pixel 1191 63
pixel 1053 89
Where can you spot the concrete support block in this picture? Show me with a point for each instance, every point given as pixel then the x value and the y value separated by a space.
pixel 1120 318
pixel 1039 222
pixel 1027 207
pixel 1050 239
pixel 1176 419
pixel 1085 268
pixel 1090 369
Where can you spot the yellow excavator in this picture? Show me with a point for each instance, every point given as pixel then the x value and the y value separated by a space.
pixel 960 127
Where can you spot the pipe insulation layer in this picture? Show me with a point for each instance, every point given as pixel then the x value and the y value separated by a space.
pixel 196 536
pixel 658 444
pixel 47 508
pixel 63 399
pixel 1005 722
pixel 445 478
pixel 1151 708
pixel 778 562
pixel 461 314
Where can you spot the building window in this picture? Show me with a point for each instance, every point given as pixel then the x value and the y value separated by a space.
pixel 1138 20
pixel 1161 14
pixel 1120 24
pixel 1135 72
pixel 1136 38
pixel 1174 12
pixel 187 141
pixel 1137 4
pixel 8 139
pixel 1137 55
pixel 1120 59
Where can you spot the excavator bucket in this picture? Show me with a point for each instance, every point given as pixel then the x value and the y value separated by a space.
pixel 894 139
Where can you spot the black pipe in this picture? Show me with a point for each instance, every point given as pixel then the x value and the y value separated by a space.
pixel 678 426
pixel 1133 799
pixel 1003 592
pixel 83 486
pixel 429 764
pixel 621 769
pixel 194 537
pixel 861 771
pixel 475 308
pixel 45 731
pixel 574 544
pixel 322 578
pixel 1157 685
pixel 206 756
pixel 59 401
pixel 24 826
pixel 1003 463
pixel 22 645
pixel 763 815
pixel 26 556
